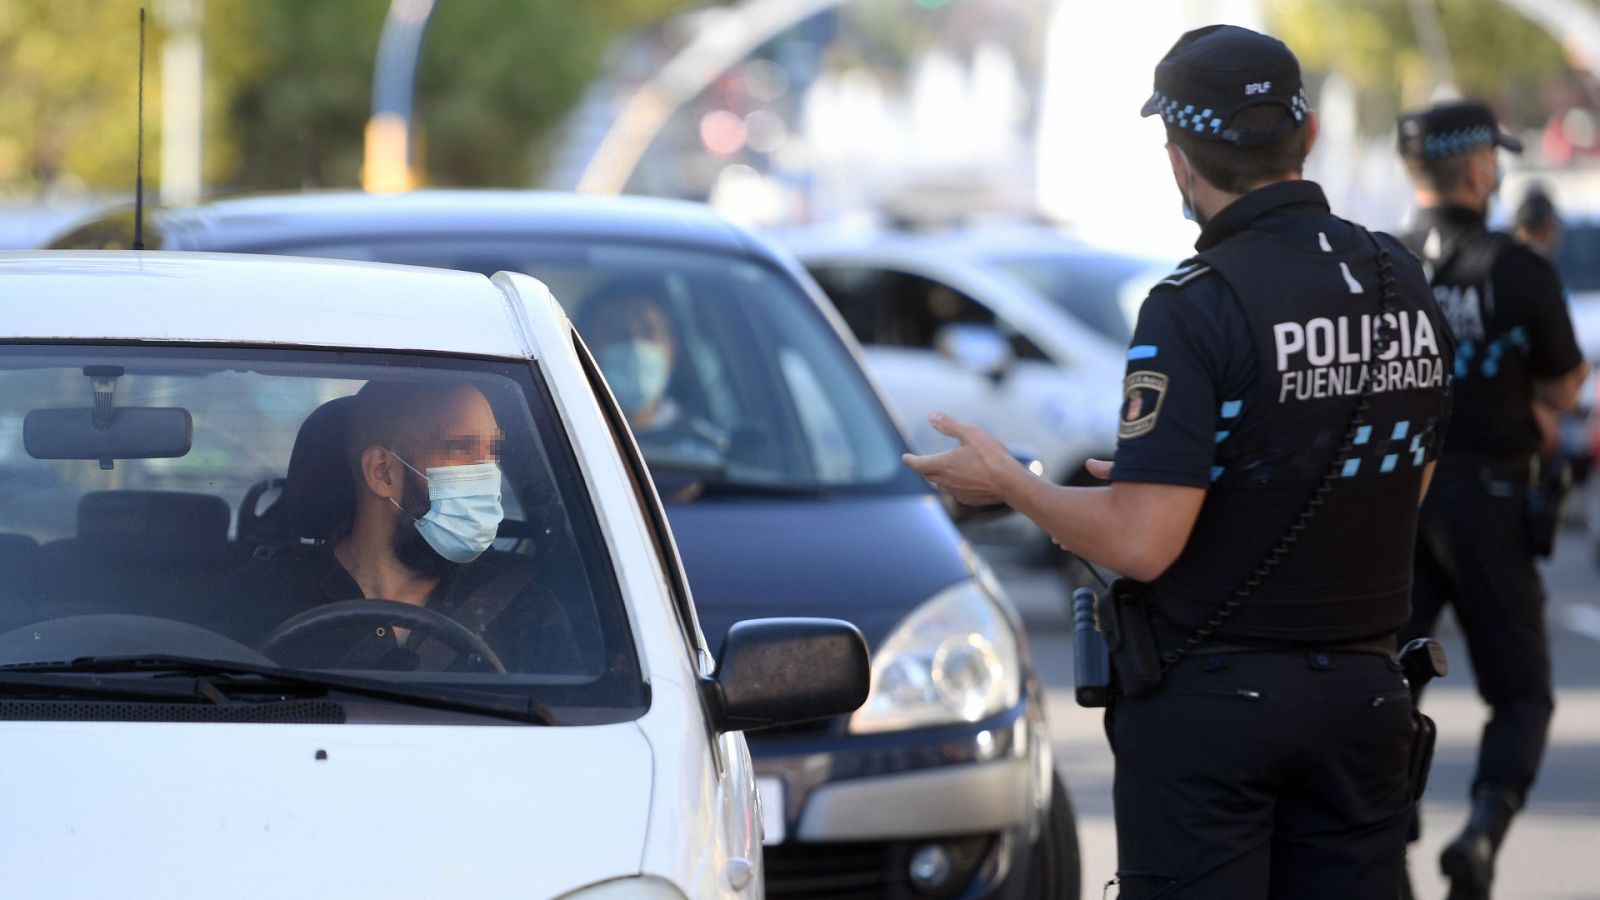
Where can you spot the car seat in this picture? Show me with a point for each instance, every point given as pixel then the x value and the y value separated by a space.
pixel 318 498
pixel 142 552
pixel 18 581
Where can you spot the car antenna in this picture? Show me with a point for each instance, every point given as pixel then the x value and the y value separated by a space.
pixel 138 165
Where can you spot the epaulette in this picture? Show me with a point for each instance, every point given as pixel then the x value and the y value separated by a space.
pixel 1186 272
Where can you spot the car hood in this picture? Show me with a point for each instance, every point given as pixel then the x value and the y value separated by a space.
pixel 865 559
pixel 207 810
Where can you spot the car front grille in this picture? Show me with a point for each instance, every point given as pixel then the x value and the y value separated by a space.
pixel 866 870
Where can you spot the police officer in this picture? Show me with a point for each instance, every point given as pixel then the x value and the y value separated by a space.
pixel 1271 759
pixel 1515 347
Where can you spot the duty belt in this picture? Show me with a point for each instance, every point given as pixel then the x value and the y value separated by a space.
pixel 1384 646
pixel 1516 468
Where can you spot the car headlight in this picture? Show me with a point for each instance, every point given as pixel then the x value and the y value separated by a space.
pixel 954 659
pixel 642 887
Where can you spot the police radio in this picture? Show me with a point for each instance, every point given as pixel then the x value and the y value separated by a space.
pixel 1091 658
pixel 1116 651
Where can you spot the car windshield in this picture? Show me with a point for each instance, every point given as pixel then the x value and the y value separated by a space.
pixel 250 505
pixel 1103 292
pixel 730 378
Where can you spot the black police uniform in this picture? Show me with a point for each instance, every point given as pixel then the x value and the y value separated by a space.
pixel 1272 761
pixel 1505 306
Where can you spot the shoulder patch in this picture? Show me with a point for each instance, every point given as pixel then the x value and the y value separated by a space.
pixel 1184 274
pixel 1142 393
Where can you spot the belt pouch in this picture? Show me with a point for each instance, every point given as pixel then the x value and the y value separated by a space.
pixel 1424 734
pixel 1547 496
pixel 1131 640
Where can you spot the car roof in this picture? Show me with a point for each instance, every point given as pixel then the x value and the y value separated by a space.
pixel 974 245
pixel 236 298
pixel 261 221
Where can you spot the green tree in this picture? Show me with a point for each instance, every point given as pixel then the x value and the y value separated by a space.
pixel 1495 52
pixel 68 93
pixel 493 79
pixel 289 85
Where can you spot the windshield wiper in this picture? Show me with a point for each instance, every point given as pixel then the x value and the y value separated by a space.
pixel 225 676
pixel 34 684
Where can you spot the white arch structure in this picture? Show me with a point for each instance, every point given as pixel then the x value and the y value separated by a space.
pixel 731 36
pixel 739 30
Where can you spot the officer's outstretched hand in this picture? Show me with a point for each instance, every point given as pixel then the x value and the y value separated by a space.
pixel 980 472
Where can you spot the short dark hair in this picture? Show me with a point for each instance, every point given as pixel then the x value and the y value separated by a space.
pixel 1439 174
pixel 1537 211
pixel 607 300
pixel 395 415
pixel 1237 168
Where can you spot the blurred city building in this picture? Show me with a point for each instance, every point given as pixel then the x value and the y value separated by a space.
pixel 777 111
pixel 928 112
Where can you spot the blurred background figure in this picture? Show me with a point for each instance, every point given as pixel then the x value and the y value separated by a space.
pixel 1538 224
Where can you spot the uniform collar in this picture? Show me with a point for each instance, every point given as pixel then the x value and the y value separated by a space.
pixel 1275 197
pixel 1449 218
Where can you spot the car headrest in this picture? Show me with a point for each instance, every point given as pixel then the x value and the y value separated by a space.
pixel 319 494
pixel 169 519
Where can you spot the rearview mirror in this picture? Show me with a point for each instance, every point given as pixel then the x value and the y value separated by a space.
pixel 780 671
pixel 979 349
pixel 134 432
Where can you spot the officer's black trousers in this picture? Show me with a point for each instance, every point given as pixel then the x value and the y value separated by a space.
pixel 1472 554
pixel 1265 774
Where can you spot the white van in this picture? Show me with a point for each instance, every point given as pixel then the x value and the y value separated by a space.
pixel 1017 329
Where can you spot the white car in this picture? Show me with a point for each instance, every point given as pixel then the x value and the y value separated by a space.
pixel 201 699
pixel 1017 329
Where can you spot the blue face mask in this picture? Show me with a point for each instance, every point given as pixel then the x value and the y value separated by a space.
pixel 464 509
pixel 1188 207
pixel 636 370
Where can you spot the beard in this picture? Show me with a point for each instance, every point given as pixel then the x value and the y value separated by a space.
pixel 410 547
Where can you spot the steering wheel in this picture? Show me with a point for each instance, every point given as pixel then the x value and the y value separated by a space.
pixel 306 629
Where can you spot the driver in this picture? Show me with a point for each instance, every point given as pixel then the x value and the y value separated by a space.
pixel 425 462
pixel 629 328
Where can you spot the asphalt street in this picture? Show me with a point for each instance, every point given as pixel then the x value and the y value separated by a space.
pixel 1553 850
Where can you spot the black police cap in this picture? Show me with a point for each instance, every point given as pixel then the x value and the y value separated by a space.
pixel 1212 73
pixel 1451 128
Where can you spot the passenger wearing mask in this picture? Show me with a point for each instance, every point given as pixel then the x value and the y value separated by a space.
pixel 425 462
pixel 628 327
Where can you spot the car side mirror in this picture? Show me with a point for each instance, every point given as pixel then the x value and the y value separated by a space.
pixel 968 515
pixel 781 671
pixel 979 349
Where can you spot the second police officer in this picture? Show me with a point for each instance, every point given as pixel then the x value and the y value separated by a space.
pixel 1284 394
pixel 1515 348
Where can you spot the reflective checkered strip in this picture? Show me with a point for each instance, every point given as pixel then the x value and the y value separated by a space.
pixel 1449 143
pixel 1183 115
pixel 1299 105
